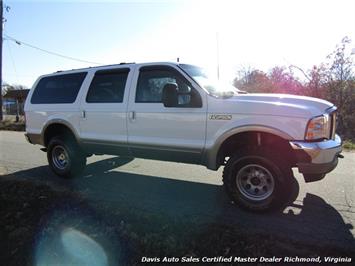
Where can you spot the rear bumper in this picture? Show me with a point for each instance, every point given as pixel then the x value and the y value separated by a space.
pixel 315 159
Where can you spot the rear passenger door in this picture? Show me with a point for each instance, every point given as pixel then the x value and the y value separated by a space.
pixel 103 111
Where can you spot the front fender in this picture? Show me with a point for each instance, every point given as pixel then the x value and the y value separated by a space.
pixel 211 153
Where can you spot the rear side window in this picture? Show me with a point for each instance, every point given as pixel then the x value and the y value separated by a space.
pixel 108 86
pixel 58 88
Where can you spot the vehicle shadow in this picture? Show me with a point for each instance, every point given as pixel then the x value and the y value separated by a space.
pixel 310 220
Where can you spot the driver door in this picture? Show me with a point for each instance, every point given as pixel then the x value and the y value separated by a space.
pixel 165 133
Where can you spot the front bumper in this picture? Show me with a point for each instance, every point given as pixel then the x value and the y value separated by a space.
pixel 317 158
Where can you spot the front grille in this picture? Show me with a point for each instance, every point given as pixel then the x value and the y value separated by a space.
pixel 333 124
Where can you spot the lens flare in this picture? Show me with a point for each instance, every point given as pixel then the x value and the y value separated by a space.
pixel 83 248
pixel 70 247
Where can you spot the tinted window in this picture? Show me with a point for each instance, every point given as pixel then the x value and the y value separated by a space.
pixel 107 87
pixel 150 85
pixel 152 81
pixel 58 89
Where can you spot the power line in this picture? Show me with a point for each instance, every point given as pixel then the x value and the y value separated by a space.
pixel 46 51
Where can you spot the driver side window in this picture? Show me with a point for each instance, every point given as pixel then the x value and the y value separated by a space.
pixel 151 82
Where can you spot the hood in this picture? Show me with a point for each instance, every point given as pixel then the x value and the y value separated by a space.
pixel 276 104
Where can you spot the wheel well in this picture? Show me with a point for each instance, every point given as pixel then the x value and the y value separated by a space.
pixel 55 130
pixel 252 139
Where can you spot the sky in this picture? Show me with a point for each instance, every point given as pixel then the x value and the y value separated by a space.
pixel 232 34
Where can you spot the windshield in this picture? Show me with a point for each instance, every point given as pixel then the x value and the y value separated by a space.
pixel 213 86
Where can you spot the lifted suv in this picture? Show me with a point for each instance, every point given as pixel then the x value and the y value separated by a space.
pixel 174 112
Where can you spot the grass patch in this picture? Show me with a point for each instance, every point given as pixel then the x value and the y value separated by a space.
pixel 349 145
pixel 9 123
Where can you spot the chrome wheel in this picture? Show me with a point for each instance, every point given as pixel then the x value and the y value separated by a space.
pixel 60 157
pixel 255 182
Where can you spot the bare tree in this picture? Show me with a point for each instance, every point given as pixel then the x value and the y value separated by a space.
pixel 5 88
pixel 340 86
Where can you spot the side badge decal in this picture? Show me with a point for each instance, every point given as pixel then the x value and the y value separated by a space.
pixel 220 117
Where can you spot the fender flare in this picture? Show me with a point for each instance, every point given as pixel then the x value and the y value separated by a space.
pixel 211 153
pixel 62 122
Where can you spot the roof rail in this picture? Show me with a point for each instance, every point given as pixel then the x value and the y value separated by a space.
pixel 122 63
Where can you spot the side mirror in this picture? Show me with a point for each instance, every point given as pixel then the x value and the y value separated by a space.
pixel 170 95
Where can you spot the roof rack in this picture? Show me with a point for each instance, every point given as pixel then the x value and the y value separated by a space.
pixel 120 64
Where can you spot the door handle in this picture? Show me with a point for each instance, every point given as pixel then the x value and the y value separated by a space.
pixel 83 113
pixel 132 115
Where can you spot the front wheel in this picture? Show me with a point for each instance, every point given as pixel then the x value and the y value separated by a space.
pixel 257 179
pixel 65 157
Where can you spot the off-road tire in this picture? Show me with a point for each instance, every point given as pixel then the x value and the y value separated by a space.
pixel 72 153
pixel 266 163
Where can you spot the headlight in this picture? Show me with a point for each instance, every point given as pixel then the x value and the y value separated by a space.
pixel 318 128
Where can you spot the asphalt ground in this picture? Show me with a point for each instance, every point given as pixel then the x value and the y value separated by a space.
pixel 320 213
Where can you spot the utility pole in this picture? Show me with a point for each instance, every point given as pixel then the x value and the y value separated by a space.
pixel 217 43
pixel 1 26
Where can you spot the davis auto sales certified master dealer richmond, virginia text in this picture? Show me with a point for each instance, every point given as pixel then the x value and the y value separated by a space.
pixel 222 259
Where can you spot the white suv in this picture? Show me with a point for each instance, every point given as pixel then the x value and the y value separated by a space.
pixel 174 112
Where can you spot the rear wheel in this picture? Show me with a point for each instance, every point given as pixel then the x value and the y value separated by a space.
pixel 257 179
pixel 65 157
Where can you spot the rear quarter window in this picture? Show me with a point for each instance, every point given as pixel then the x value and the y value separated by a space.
pixel 58 89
